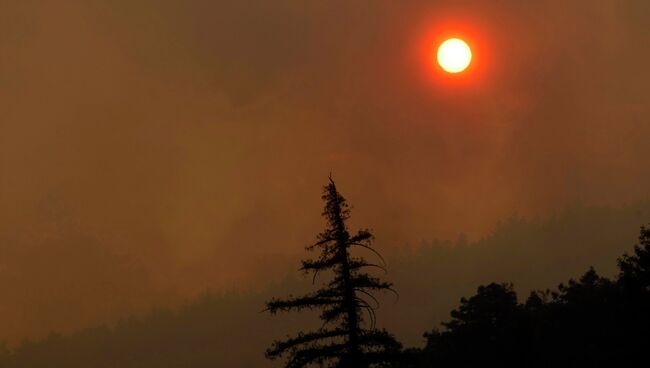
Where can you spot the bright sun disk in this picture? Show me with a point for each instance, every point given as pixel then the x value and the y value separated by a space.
pixel 454 55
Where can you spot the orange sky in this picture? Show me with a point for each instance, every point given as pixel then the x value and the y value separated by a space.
pixel 162 147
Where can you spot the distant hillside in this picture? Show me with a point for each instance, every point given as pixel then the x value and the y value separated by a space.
pixel 229 330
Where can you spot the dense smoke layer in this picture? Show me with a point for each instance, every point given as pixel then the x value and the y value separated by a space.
pixel 152 149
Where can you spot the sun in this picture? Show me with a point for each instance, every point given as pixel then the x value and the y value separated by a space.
pixel 454 55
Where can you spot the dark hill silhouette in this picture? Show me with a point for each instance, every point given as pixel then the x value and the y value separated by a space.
pixel 593 321
pixel 228 330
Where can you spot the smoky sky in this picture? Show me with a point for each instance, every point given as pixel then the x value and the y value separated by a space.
pixel 152 149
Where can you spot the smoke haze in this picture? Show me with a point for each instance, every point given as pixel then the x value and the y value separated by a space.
pixel 150 150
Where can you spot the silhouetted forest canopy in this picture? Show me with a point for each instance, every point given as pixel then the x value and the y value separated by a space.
pixel 591 321
pixel 595 317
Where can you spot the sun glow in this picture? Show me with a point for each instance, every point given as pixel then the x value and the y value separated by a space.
pixel 454 55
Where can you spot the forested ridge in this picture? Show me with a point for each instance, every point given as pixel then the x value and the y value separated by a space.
pixel 229 330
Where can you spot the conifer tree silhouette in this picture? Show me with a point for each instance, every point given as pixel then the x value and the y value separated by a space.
pixel 342 341
pixel 634 269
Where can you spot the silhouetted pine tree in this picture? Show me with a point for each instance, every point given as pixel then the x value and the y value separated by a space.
pixel 342 341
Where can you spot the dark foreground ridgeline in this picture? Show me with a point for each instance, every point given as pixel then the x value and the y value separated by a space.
pixel 589 322
pixel 592 321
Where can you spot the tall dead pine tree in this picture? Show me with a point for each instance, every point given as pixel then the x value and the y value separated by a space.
pixel 345 339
